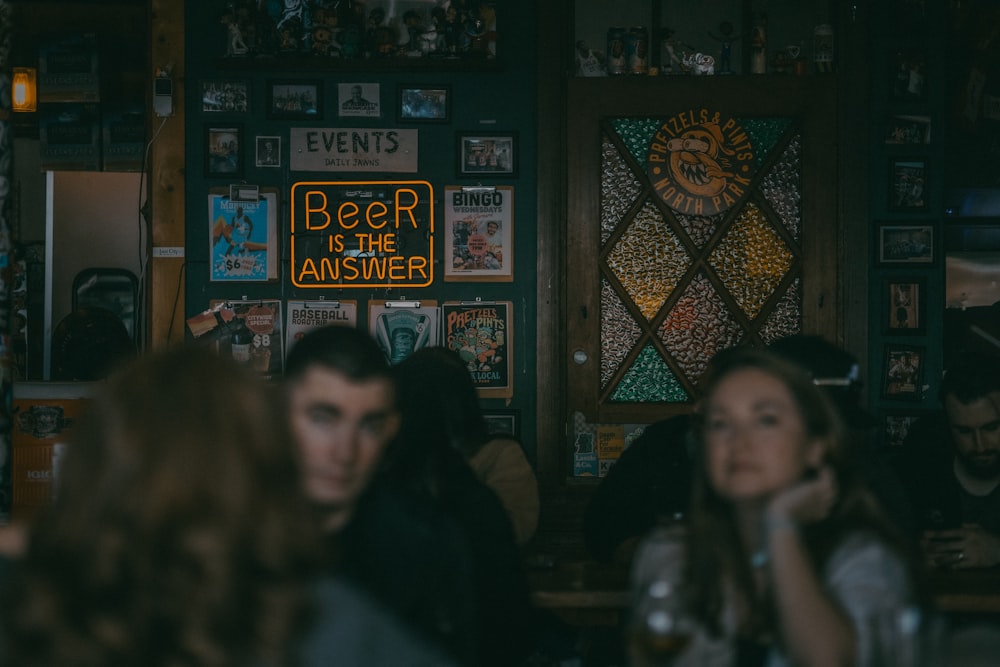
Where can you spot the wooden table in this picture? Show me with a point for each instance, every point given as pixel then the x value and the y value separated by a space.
pixel 593 593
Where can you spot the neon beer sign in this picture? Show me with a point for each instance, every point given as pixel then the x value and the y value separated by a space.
pixel 362 234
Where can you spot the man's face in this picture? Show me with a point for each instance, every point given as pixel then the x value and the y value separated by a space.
pixel 356 92
pixel 341 428
pixel 975 431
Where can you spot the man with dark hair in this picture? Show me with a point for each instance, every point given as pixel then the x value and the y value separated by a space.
pixel 405 553
pixel 951 468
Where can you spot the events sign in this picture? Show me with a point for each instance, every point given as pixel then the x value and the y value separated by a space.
pixel 352 149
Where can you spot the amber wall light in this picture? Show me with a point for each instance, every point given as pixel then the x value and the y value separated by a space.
pixel 25 91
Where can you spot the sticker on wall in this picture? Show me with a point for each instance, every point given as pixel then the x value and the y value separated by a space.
pixel 699 162
pixel 402 327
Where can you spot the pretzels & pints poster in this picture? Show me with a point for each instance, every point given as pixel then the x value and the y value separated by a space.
pixel 480 332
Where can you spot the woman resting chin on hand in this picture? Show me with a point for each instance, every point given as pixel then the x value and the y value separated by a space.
pixel 788 556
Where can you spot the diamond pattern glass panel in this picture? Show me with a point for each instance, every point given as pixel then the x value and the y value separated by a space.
pixel 649 380
pixel 751 260
pixel 619 332
pixel 782 188
pixel 648 260
pixel 698 326
pixel 619 189
pixel 786 318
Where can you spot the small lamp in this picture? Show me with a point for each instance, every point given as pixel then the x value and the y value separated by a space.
pixel 24 90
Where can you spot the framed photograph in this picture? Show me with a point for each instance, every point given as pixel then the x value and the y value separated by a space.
pixel 479 234
pixel 896 425
pixel 905 300
pixel 424 103
pixel 481 333
pixel 486 154
pixel 903 372
pixel 907 184
pixel 359 100
pixel 899 244
pixel 909 75
pixel 268 151
pixel 503 422
pixel 295 100
pixel 231 95
pixel 909 130
pixel 224 154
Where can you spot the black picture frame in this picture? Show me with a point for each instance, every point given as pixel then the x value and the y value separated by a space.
pixel 908 76
pixel 225 96
pixel 503 421
pixel 290 99
pixel 903 372
pixel 493 154
pixel 224 150
pixel 423 103
pixel 895 426
pixel 908 184
pixel 904 309
pixel 909 130
pixel 268 153
pixel 905 244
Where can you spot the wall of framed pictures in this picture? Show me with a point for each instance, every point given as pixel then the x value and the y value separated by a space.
pixel 420 145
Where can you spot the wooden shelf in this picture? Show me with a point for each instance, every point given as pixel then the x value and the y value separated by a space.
pixel 305 63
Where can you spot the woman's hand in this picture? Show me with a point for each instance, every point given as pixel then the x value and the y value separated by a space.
pixel 807 501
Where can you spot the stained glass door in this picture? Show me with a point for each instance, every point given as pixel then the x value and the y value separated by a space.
pixel 701 215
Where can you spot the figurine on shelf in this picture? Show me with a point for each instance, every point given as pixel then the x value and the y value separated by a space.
pixel 700 64
pixel 414 28
pixel 235 46
pixel 726 38
pixel 588 61
pixel 672 61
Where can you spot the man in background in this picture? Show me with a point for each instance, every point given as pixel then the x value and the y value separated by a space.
pixel 406 554
pixel 951 468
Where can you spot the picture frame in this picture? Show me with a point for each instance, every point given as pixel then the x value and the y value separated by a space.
pixel 359 100
pixel 503 422
pixel 905 301
pixel 908 130
pixel 224 151
pixel 908 77
pixel 225 95
pixel 903 372
pixel 268 151
pixel 295 99
pixel 494 154
pixel 479 233
pixel 905 244
pixel 423 103
pixel 895 426
pixel 907 184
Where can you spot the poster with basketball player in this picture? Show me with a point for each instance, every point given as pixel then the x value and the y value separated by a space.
pixel 479 234
pixel 480 332
pixel 403 327
pixel 243 236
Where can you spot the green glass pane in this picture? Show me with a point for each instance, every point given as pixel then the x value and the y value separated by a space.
pixel 619 332
pixel 751 260
pixel 636 133
pixel 764 134
pixel 619 189
pixel 698 326
pixel 648 260
pixel 649 380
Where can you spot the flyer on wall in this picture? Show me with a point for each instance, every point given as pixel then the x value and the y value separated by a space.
pixel 479 234
pixel 480 332
pixel 304 316
pixel 243 236
pixel 403 327
pixel 250 331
